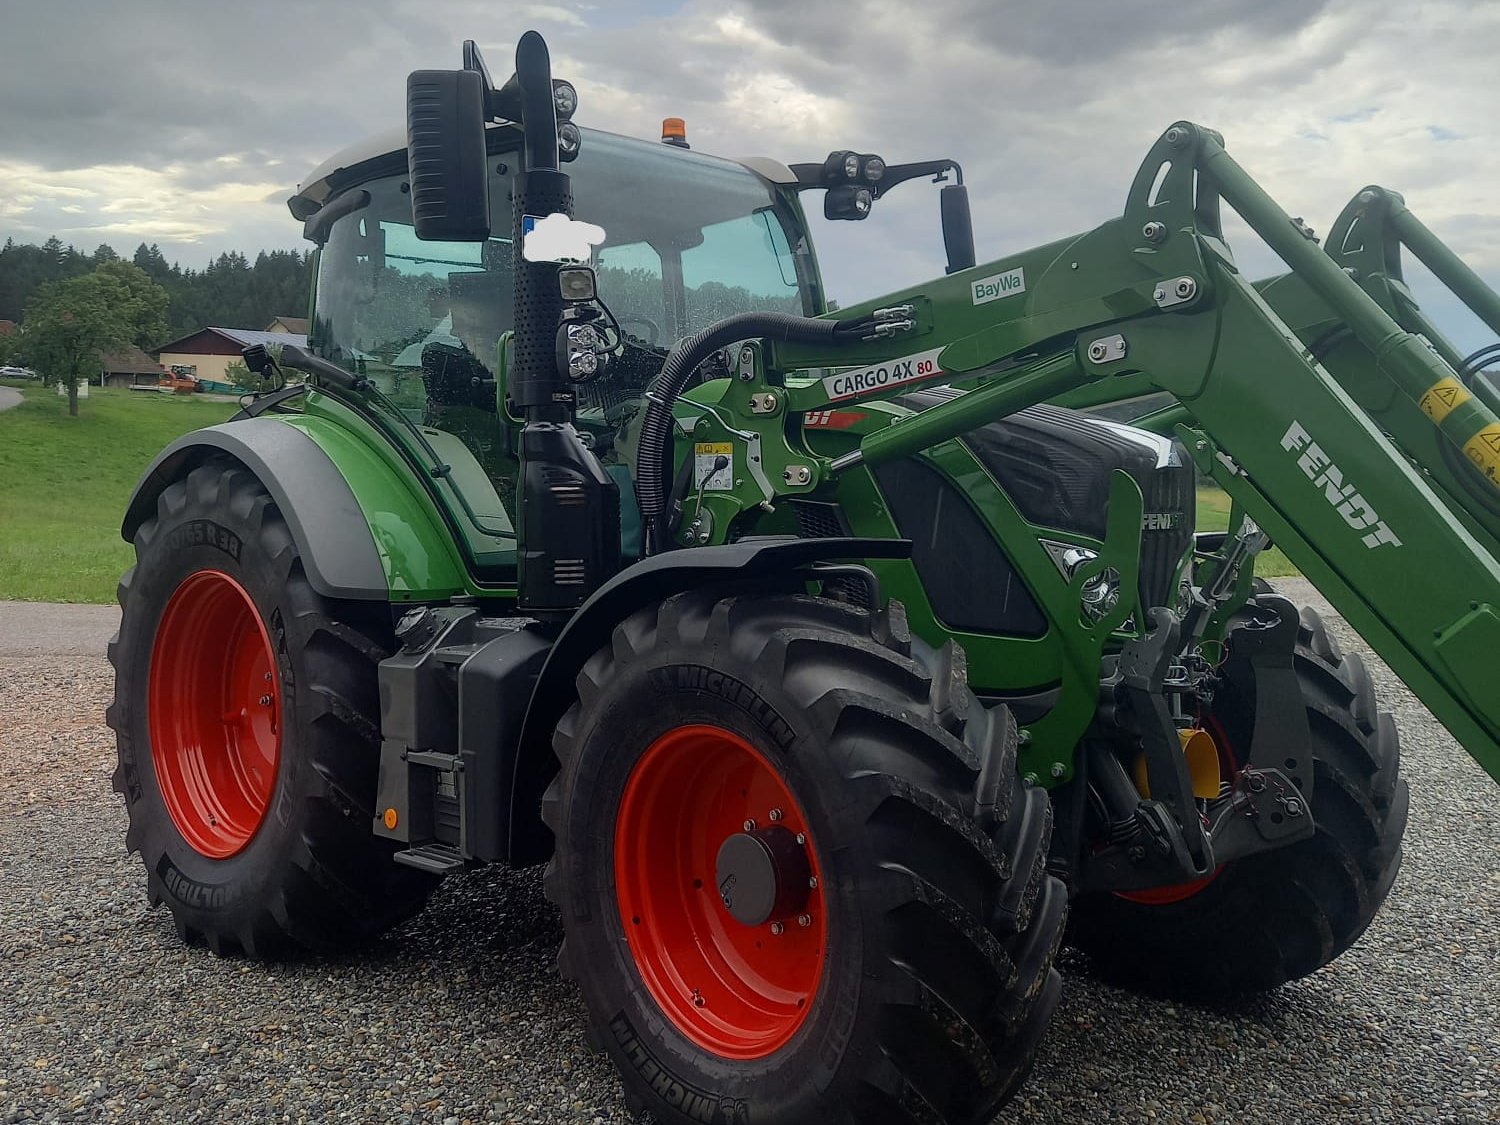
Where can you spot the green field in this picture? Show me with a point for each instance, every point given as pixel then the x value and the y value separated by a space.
pixel 1213 515
pixel 64 483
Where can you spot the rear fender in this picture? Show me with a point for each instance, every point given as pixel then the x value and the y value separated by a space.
pixel 384 545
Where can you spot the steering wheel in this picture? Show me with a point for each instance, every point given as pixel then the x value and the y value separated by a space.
pixel 653 330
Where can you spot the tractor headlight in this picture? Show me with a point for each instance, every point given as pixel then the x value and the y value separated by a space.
pixel 1100 595
pixel 851 166
pixel 569 141
pixel 582 365
pixel 564 99
pixel 576 283
pixel 1072 558
pixel 874 169
pixel 583 337
pixel 847 202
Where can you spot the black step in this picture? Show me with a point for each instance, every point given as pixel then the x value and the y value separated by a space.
pixel 436 859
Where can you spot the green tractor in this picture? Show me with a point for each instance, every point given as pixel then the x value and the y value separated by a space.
pixel 825 663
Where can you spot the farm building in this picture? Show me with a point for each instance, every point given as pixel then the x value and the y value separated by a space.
pixel 128 367
pixel 209 351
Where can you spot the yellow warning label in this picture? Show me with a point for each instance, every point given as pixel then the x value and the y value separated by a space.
pixel 713 465
pixel 1484 450
pixel 1442 398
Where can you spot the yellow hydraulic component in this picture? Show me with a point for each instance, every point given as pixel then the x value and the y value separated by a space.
pixel 1202 761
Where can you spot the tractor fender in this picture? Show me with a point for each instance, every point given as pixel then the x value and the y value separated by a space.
pixel 649 581
pixel 331 532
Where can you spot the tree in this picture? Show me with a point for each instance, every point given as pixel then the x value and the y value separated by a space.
pixel 146 304
pixel 242 378
pixel 234 291
pixel 69 323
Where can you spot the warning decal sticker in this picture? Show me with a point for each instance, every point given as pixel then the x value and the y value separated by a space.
pixel 1442 398
pixel 1484 450
pixel 706 455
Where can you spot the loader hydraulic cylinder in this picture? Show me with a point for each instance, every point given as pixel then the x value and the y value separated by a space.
pixel 1464 420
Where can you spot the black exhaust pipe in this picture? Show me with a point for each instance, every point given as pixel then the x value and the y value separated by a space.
pixel 537 388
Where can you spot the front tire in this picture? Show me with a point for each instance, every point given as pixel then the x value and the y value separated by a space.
pixel 903 972
pixel 1276 916
pixel 244 720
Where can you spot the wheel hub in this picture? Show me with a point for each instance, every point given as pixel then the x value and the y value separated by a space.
pixel 763 875
pixel 717 884
pixel 214 713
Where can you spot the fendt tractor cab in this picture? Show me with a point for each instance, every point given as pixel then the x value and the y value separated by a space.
pixel 828 664
pixel 688 239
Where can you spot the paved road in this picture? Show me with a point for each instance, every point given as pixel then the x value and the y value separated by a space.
pixel 9 397
pixel 459 1015
pixel 47 629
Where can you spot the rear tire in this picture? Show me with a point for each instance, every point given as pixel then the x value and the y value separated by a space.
pixel 929 996
pixel 300 866
pixel 1279 915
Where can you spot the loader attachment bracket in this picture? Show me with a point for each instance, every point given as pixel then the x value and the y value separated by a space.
pixel 1264 636
pixel 1169 819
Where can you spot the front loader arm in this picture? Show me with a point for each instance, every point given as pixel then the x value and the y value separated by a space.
pixel 1156 294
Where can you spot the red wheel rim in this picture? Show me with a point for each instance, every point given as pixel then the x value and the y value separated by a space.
pixel 738 991
pixel 1181 892
pixel 214 713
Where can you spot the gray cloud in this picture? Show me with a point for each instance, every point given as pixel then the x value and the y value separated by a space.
pixel 221 108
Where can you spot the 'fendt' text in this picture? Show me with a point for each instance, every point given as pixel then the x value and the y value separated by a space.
pixel 1346 500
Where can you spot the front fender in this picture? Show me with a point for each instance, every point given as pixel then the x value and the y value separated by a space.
pixel 649 581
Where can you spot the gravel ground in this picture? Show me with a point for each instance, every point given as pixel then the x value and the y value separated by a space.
pixel 458 1017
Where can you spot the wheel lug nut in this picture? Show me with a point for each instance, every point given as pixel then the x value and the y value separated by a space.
pixel 265 701
pixel 775 814
pixel 750 825
pixel 804 920
pixel 813 883
pixel 801 839
pixel 777 929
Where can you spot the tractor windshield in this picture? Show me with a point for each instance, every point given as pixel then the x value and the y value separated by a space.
pixel 688 239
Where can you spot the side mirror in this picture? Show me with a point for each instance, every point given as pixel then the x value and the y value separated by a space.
pixel 958 226
pixel 257 359
pixel 446 159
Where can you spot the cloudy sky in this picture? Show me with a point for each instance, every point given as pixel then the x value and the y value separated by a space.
pixel 188 122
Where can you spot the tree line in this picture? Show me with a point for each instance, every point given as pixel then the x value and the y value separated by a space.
pixel 231 291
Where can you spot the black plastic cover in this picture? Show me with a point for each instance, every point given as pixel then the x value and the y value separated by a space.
pixel 569 531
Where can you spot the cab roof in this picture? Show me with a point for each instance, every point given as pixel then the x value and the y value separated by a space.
pixel 385 152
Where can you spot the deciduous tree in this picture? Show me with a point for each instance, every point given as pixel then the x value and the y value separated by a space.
pixel 69 323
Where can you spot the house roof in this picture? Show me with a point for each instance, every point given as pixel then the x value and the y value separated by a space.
pixel 128 361
pixel 239 337
pixel 295 324
pixel 244 337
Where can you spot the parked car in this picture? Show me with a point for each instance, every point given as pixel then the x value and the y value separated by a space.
pixel 18 373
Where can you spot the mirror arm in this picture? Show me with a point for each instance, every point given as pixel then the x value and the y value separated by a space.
pixel 345 203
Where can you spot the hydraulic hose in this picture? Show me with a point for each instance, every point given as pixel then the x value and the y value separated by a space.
pixel 651 476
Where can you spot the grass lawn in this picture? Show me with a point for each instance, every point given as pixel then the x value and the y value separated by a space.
pixel 1213 515
pixel 64 483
